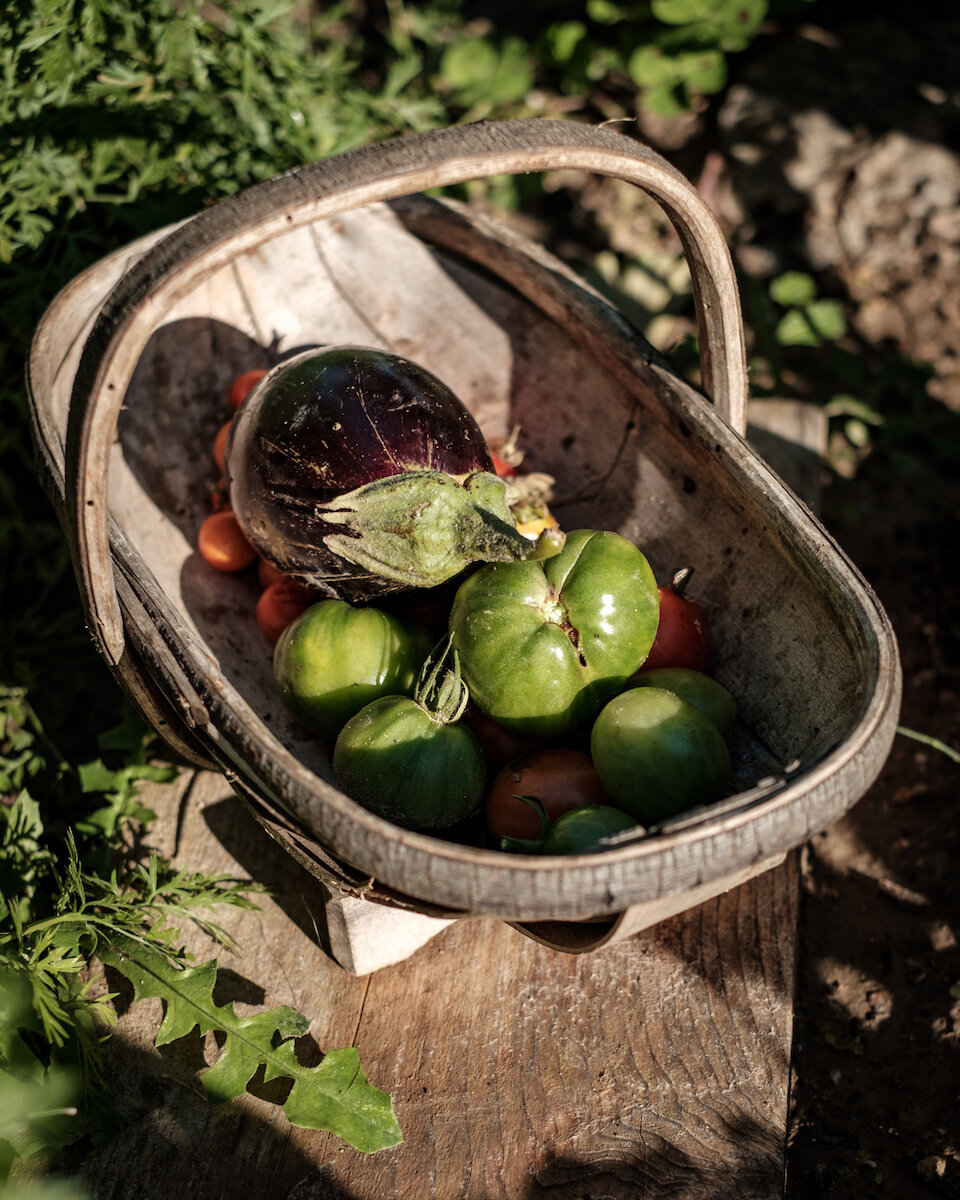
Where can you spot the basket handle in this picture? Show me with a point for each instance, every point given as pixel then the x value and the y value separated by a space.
pixel 200 247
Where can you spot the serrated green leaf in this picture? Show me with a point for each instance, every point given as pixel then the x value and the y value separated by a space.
pixel 334 1096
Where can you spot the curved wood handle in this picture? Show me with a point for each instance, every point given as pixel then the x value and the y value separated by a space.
pixel 199 248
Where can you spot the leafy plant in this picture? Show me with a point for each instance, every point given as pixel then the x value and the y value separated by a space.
pixel 334 1095
pixel 85 896
pixel 108 103
pixel 674 51
pixel 807 320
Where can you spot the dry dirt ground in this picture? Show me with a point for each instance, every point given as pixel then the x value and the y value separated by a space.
pixel 837 148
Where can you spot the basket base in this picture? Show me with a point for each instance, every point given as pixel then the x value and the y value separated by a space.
pixel 364 936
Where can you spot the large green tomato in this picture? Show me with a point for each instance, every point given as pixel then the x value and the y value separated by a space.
pixel 657 755
pixel 543 645
pixel 336 658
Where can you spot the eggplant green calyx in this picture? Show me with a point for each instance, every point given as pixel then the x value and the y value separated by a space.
pixel 440 690
pixel 420 528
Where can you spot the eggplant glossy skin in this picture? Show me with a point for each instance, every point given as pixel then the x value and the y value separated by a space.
pixel 324 423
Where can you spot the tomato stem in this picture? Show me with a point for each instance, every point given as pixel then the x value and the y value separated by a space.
pixel 681 580
pixel 440 690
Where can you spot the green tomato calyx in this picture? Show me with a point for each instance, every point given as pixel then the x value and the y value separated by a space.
pixel 529 845
pixel 440 690
pixel 420 528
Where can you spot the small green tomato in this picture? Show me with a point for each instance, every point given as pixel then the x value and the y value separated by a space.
pixel 700 690
pixel 336 657
pixel 658 755
pixel 409 760
pixel 581 830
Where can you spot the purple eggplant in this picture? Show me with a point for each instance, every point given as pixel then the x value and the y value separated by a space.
pixel 359 473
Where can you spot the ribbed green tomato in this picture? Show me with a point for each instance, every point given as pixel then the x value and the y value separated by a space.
pixel 657 755
pixel 401 763
pixel 544 644
pixel 335 658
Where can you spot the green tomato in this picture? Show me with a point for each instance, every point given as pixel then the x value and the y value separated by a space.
pixel 579 830
pixel 657 755
pixel 335 658
pixel 401 763
pixel 543 645
pixel 700 690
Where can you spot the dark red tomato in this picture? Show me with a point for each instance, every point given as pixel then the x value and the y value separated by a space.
pixel 219 500
pixel 560 779
pixel 279 604
pixel 683 634
pixel 500 745
pixel 267 573
pixel 220 445
pixel 243 385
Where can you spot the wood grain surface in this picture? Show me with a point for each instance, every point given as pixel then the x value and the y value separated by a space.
pixel 656 1067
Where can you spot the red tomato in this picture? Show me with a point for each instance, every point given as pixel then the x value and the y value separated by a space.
pixel 500 745
pixel 683 635
pixel 222 543
pixel 501 466
pixel 267 573
pixel 560 779
pixel 243 385
pixel 279 604
pixel 220 445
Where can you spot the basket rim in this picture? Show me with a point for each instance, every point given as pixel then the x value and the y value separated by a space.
pixel 228 713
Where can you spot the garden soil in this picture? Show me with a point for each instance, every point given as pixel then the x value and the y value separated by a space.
pixel 835 150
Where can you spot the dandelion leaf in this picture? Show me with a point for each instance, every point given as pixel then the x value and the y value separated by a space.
pixel 334 1096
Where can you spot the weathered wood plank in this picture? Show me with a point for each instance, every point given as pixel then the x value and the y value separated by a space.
pixel 658 1066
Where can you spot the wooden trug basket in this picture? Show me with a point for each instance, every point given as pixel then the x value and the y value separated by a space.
pixel 127 376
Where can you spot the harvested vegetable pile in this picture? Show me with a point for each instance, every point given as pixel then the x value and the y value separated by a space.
pixel 381 524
